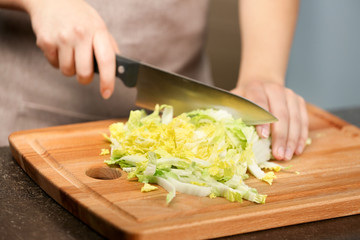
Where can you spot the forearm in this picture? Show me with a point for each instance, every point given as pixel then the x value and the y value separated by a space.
pixel 267 29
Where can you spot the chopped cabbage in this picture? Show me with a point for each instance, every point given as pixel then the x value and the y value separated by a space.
pixel 203 153
pixel 147 188
pixel 104 151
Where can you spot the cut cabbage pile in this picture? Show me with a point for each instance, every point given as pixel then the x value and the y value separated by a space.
pixel 202 153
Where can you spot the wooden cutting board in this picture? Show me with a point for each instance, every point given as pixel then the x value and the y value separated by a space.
pixel 65 162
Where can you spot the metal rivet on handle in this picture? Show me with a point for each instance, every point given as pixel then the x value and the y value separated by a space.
pixel 121 69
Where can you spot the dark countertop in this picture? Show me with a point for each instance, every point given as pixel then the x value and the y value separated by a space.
pixel 27 212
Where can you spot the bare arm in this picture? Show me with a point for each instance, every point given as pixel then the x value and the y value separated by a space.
pixel 267 29
pixel 70 33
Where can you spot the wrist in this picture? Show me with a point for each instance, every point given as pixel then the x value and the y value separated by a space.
pixel 244 80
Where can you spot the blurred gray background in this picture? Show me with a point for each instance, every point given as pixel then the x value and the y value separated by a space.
pixel 324 64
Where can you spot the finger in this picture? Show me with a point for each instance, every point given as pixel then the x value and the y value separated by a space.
pixel 66 60
pixel 304 126
pixel 114 44
pixel 263 130
pixel 105 57
pixel 49 49
pixel 52 57
pixel 294 123
pixel 279 129
pixel 256 93
pixel 84 62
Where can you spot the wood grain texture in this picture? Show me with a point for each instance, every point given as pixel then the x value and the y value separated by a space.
pixel 65 162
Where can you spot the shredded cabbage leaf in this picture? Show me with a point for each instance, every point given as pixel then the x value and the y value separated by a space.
pixel 202 153
pixel 148 188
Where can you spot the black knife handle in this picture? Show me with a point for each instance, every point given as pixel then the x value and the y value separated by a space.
pixel 126 69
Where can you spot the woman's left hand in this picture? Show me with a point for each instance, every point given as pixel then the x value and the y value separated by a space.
pixel 290 133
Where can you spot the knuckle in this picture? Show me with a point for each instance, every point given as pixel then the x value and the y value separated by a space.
pixel 84 78
pixel 44 42
pixel 274 86
pixel 80 32
pixel 256 83
pixel 291 143
pixel 304 136
pixel 302 139
pixel 63 38
pixel 257 97
pixel 51 53
pixel 70 35
pixel 280 134
pixel 283 115
pixel 54 63
pixel 280 139
pixel 107 59
pixel 296 120
pixel 67 70
pixel 289 92
pixel 84 74
pixel 100 25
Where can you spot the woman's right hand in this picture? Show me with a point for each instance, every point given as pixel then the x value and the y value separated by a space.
pixel 70 33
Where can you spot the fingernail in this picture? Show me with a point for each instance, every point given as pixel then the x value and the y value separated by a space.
pixel 280 152
pixel 106 94
pixel 288 154
pixel 265 132
pixel 299 149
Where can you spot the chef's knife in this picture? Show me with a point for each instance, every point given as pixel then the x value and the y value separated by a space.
pixel 156 86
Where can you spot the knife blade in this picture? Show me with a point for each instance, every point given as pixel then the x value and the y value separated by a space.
pixel 156 86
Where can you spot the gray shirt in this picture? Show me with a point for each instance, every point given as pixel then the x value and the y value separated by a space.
pixel 168 34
